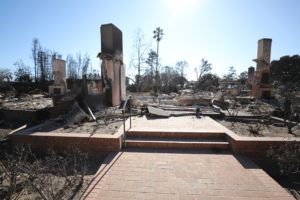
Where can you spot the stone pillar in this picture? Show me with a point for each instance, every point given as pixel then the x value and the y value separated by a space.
pixel 112 64
pixel 264 51
pixel 116 83
pixel 59 75
pixel 262 86
pixel 123 83
pixel 250 75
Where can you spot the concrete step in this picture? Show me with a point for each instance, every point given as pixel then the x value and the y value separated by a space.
pixel 176 143
pixel 170 134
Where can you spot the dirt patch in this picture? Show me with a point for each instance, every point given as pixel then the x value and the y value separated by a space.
pixel 109 127
pixel 263 130
pixel 101 127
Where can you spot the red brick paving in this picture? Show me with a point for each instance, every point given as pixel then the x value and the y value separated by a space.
pixel 158 174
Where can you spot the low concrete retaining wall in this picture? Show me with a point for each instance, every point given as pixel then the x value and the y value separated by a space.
pixel 60 142
pixel 255 147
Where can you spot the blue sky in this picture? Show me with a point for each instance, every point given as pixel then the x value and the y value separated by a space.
pixel 225 32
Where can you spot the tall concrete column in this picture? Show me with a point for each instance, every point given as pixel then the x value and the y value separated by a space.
pixel 59 75
pixel 251 75
pixel 262 86
pixel 112 64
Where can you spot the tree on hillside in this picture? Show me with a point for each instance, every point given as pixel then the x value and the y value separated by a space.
pixel 243 77
pixel 71 67
pixel 5 75
pixel 42 58
pixel 43 65
pixel 22 73
pixel 56 55
pixel 138 56
pixel 151 62
pixel 158 34
pixel 79 64
pixel 208 82
pixel 170 80
pixel 146 83
pixel 203 69
pixel 285 73
pixel 181 66
pixel 36 47
pixel 231 75
pixel 85 64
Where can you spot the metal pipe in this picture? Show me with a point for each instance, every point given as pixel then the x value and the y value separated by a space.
pixel 124 137
pixel 130 109
pixel 123 111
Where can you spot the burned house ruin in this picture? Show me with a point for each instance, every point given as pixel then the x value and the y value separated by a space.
pixel 110 89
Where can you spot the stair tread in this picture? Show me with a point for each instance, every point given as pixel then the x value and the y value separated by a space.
pixel 176 140
pixel 175 132
pixel 188 135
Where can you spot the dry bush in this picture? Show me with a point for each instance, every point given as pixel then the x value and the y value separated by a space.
pixel 52 176
pixel 287 157
pixel 254 128
pixel 233 111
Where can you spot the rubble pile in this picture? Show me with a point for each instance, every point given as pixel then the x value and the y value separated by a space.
pixel 184 98
pixel 108 121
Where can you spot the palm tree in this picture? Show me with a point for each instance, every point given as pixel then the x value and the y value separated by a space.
pixel 158 34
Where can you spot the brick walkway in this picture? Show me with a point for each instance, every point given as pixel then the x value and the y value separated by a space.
pixel 158 174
